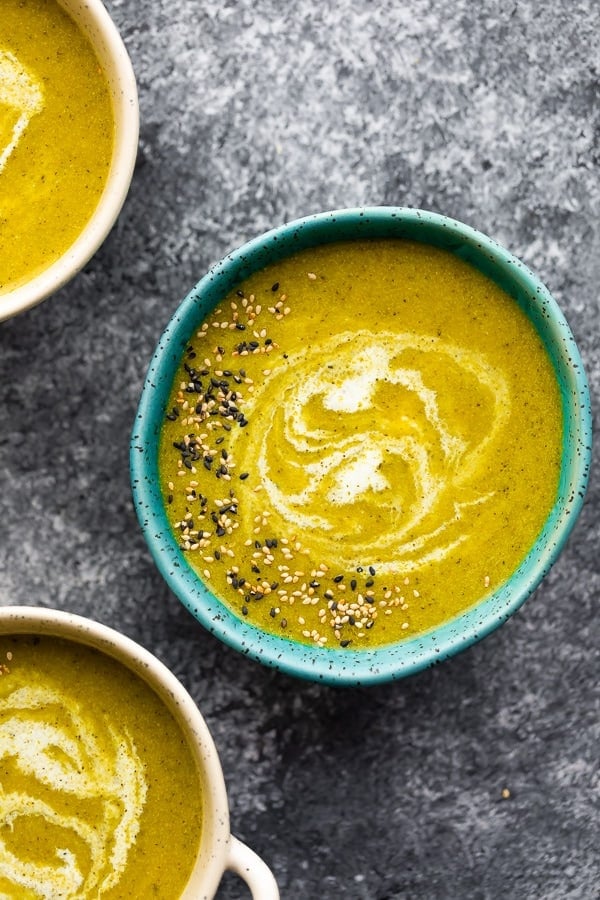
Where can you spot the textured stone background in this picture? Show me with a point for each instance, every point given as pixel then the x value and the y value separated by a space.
pixel 255 112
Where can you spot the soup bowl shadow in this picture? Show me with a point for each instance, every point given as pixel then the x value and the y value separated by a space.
pixel 94 21
pixel 349 666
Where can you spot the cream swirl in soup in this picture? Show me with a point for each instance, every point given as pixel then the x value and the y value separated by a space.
pixel 56 136
pixel 21 97
pixel 62 751
pixel 99 792
pixel 362 441
pixel 330 454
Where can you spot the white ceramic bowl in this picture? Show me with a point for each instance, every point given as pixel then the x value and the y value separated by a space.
pixel 219 849
pixel 95 22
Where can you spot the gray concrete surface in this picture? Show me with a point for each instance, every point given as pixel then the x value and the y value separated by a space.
pixel 255 112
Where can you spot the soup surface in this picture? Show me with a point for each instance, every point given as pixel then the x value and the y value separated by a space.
pixel 361 442
pixel 99 793
pixel 56 136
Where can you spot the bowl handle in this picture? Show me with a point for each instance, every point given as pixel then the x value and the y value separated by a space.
pixel 250 867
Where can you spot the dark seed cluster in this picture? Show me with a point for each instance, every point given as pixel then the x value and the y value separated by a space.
pixel 209 404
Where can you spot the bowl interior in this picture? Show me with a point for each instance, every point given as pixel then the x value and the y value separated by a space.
pixel 215 837
pixel 404 657
pixel 95 22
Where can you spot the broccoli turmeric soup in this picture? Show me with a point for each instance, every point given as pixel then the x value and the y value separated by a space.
pixel 56 136
pixel 362 441
pixel 99 792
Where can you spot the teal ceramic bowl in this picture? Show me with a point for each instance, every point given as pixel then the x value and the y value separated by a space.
pixel 369 666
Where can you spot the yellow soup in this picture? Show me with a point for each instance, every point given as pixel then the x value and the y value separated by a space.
pixel 56 136
pixel 361 442
pixel 99 793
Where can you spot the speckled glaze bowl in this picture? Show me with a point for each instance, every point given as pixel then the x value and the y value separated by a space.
pixel 368 666
pixel 96 24
pixel 219 850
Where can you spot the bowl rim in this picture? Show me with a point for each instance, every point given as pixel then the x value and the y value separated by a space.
pixel 211 859
pixel 95 21
pixel 367 666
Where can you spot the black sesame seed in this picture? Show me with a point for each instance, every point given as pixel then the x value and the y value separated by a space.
pixel 244 475
pixel 272 612
pixel 344 643
pixel 240 326
pixel 338 578
pixel 244 610
pixel 275 287
pixel 371 570
pixel 353 584
pixel 369 583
